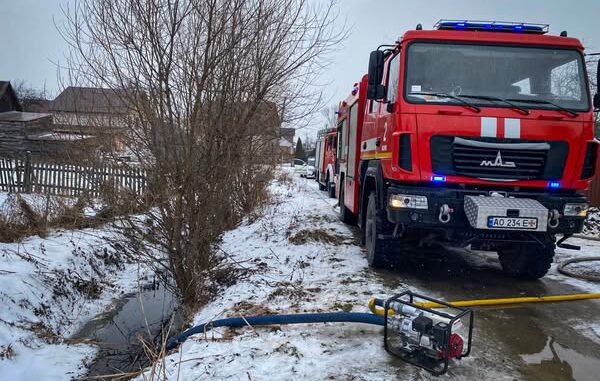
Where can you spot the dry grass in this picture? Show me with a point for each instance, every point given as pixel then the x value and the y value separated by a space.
pixel 6 352
pixel 316 235
pixel 21 218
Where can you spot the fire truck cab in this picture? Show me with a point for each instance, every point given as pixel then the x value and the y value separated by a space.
pixel 474 134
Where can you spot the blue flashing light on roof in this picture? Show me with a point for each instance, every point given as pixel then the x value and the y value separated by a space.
pixel 493 26
pixel 438 179
pixel 553 184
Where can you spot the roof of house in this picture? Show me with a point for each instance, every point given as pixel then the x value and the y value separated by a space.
pixel 18 116
pixel 287 133
pixel 91 100
pixel 6 90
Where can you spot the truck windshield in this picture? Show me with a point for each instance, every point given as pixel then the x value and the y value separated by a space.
pixel 545 78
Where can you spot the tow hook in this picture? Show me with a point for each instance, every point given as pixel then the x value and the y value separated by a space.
pixel 553 217
pixel 445 214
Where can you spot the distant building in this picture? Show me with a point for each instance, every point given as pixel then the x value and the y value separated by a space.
pixel 36 105
pixel 31 133
pixel 286 144
pixel 8 98
pixel 103 113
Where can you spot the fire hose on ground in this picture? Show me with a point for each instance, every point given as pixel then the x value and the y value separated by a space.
pixel 422 331
pixel 561 268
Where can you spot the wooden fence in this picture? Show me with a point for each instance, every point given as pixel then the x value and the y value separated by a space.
pixel 29 175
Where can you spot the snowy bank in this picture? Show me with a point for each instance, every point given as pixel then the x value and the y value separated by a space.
pixel 48 289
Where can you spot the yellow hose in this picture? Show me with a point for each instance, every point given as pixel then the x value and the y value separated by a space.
pixel 495 302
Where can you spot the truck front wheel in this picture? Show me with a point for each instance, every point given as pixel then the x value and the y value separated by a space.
pixel 526 261
pixel 376 247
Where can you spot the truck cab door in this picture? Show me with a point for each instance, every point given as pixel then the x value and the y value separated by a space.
pixel 386 122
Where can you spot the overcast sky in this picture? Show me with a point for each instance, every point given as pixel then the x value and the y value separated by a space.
pixel 32 47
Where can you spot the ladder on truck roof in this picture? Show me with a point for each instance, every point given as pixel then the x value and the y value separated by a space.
pixel 325 131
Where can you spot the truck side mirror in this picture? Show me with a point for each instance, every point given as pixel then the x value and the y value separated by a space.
pixel 375 90
pixel 597 95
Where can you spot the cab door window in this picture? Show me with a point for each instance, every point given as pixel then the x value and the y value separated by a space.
pixel 393 79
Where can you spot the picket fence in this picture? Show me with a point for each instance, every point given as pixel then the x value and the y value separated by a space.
pixel 28 175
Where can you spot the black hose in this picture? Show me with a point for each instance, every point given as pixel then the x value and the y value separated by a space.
pixel 327 317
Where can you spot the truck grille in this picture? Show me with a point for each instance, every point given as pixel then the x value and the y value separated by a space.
pixel 497 159
pixel 499 162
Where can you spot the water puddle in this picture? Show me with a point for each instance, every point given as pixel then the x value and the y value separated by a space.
pixel 118 333
pixel 557 361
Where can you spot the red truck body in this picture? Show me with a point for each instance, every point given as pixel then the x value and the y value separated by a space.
pixel 462 114
pixel 325 160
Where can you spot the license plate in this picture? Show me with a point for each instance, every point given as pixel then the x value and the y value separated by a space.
pixel 512 223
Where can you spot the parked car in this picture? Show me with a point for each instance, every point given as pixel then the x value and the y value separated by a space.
pixel 299 166
pixel 310 168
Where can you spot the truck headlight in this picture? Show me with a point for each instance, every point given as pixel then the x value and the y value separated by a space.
pixel 576 210
pixel 407 201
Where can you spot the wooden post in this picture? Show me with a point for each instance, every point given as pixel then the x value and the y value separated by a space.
pixel 28 173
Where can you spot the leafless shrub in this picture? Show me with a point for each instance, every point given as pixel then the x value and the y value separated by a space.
pixel 208 84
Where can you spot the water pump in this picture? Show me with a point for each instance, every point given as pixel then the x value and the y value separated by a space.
pixel 425 337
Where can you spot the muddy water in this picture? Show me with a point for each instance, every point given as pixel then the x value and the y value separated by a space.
pixel 532 341
pixel 118 333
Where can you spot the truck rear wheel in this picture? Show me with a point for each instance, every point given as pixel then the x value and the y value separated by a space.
pixel 526 261
pixel 345 214
pixel 321 186
pixel 330 188
pixel 376 247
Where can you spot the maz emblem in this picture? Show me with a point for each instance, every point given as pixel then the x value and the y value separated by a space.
pixel 498 162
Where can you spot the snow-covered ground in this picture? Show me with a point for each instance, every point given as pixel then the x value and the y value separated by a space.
pixel 305 260
pixel 299 258
pixel 46 295
pixel 592 224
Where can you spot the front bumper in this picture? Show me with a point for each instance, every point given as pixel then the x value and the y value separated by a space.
pixel 438 196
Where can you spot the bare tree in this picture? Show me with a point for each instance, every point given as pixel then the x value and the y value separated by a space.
pixel 27 93
pixel 330 115
pixel 208 82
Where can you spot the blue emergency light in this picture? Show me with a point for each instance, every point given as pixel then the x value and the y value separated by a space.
pixel 492 26
pixel 553 184
pixel 438 179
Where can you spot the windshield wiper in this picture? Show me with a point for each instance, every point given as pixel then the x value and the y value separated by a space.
pixel 445 95
pixel 493 98
pixel 540 101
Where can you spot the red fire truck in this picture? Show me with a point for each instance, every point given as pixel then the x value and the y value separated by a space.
pixel 474 133
pixel 325 160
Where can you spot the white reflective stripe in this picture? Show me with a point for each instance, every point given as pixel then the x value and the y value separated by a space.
pixel 369 144
pixel 512 128
pixel 489 127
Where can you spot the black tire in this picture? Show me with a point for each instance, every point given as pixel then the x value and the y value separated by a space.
pixel 345 214
pixel 377 248
pixel 330 188
pixel 321 186
pixel 526 261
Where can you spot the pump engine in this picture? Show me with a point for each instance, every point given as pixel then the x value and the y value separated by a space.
pixel 423 336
